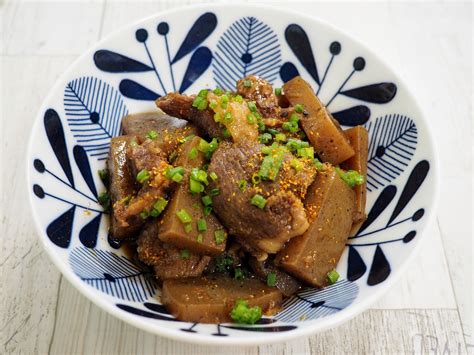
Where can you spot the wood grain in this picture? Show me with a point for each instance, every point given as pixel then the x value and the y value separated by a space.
pixel 429 310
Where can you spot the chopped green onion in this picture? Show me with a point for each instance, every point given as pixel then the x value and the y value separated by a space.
pixel 238 274
pixel 125 200
pixel 252 106
pixel 203 146
pixel 188 138
pixel 203 93
pixel 265 138
pixel 215 192
pixel 280 137
pixel 144 214
pixel 213 104
pixel 272 131
pixel 277 91
pixel 294 118
pixel 217 117
pixel 259 201
pixel 271 279
pixel 172 171
pixel 152 135
pixel 242 185
pixel 239 99
pixel 266 150
pixel 351 177
pixel 251 118
pixel 242 313
pixel 177 177
pixel 217 91
pixel 200 103
pixel 247 83
pixel 226 133
pixel 143 176
pixel 184 216
pixel 104 176
pixel 202 225
pixel 318 164
pixel 294 144
pixel 306 152
pixel 299 108
pixel 261 125
pixel 206 200
pixel 104 201
pixel 332 276
pixel 185 254
pixel 256 178
pixel 224 101
pixel 133 143
pixel 195 186
pixel 199 175
pixel 193 153
pixel 220 236
pixel 228 117
pixel 213 176
pixel 199 238
pixel 160 205
pixel 188 227
pixel 271 165
pixel 296 164
pixel 207 210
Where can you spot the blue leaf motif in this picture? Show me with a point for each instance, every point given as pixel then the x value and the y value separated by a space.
pixel 198 64
pixel 117 63
pixel 393 140
pixel 134 90
pixel 90 232
pixel 288 71
pixel 314 303
pixel 376 93
pixel 82 162
pixel 200 30
pixel 94 111
pixel 55 133
pixel 115 275
pixel 380 269
pixel 59 231
pixel 353 116
pixel 144 313
pixel 248 46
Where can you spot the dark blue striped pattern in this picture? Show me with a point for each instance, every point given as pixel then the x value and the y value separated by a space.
pixel 94 111
pixel 392 143
pixel 248 47
pixel 313 303
pixel 112 274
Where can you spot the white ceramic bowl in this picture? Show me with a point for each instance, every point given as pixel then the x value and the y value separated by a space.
pixel 208 46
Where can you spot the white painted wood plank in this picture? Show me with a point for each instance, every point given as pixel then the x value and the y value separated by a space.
pixel 29 281
pixel 50 28
pixel 93 331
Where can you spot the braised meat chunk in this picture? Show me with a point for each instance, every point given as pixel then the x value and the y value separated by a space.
pixel 254 88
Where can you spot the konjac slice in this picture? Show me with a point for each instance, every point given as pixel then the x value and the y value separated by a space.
pixel 121 187
pixel 358 136
pixel 329 205
pixel 323 131
pixel 204 234
pixel 210 299
pixel 167 261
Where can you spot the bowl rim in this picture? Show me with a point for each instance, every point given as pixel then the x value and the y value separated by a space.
pixel 207 339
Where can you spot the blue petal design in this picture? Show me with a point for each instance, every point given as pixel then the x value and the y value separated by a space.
pixel 113 62
pixel 55 133
pixel 198 64
pixel 299 43
pixel 380 93
pixel 134 90
pixel 353 116
pixel 200 30
pixel 380 269
pixel 384 199
pixel 82 162
pixel 356 267
pixel 313 303
pixel 416 178
pixel 270 329
pixel 90 232
pixel 143 313
pixel 59 231
pixel 288 71
pixel 94 112
pixel 155 307
pixel 393 140
pixel 248 46
pixel 115 275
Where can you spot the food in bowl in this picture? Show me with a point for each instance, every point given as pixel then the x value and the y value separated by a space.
pixel 237 199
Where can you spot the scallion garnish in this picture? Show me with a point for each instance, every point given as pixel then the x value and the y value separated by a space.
pixel 227 117
pixel 259 201
pixel 144 214
pixel 271 279
pixel 217 91
pixel 252 106
pixel 265 138
pixel 200 103
pixel 143 176
pixel 213 176
pixel 184 216
pixel 247 83
pixel 193 153
pixel 238 274
pixel 242 185
pixel 199 238
pixel 195 187
pixel 296 164
pixel 215 192
pixel 299 108
pixel 332 276
pixel 185 254
pixel 152 135
pixel 351 177
pixel 202 225
pixel 220 236
pixel 242 313
pixel 206 200
pixel 278 91
pixel 306 152
pixel 207 210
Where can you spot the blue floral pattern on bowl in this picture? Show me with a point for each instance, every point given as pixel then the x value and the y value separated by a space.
pixel 71 141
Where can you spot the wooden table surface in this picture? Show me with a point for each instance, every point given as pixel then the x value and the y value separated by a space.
pixel 428 311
